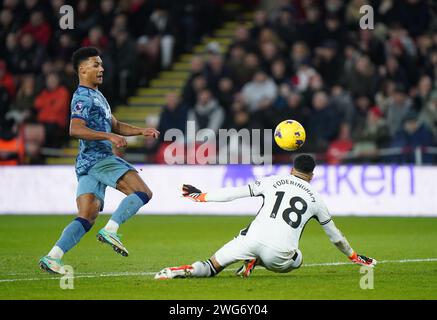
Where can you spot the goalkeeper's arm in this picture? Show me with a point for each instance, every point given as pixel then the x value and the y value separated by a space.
pixel 343 245
pixel 220 195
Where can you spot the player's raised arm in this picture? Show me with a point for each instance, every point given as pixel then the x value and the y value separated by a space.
pixel 126 129
pixel 220 195
pixel 225 194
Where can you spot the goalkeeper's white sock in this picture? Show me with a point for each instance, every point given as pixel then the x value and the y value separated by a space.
pixel 202 269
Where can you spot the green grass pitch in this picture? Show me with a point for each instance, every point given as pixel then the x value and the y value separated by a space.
pixel 155 242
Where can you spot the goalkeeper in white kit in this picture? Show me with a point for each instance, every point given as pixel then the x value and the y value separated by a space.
pixel 272 238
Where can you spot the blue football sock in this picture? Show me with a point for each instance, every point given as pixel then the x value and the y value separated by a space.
pixel 129 206
pixel 73 233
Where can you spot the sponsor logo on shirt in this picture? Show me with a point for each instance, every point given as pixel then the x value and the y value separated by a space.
pixel 78 106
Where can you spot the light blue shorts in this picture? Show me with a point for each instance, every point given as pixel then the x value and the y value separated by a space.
pixel 104 173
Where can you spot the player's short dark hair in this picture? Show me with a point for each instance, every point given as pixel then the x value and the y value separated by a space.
pixel 304 163
pixel 83 54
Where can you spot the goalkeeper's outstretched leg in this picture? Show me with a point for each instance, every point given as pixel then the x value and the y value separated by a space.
pixel 199 269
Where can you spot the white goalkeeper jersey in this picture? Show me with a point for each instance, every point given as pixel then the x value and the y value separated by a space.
pixel 289 203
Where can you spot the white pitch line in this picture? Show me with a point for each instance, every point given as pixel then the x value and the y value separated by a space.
pixel 95 275
pixel 133 274
pixel 379 262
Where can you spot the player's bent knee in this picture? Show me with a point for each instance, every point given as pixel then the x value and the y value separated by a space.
pixel 86 224
pixel 92 219
pixel 142 187
pixel 145 198
pixel 284 269
pixel 149 194
pixel 300 264
pixel 296 264
pixel 89 214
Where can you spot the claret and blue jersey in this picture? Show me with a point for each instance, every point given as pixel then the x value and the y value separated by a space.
pixel 91 106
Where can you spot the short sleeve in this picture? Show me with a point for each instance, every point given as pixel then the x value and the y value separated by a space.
pixel 80 107
pixel 257 187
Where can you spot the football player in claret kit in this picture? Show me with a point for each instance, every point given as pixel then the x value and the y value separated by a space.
pixel 272 239
pixel 96 166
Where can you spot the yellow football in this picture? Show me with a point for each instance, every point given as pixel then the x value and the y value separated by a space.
pixel 290 135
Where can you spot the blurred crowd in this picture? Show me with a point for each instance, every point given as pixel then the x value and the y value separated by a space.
pixel 362 94
pixel 136 39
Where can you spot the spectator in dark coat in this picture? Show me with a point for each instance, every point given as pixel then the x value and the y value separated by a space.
pixel 196 71
pixel 362 79
pixel 85 17
pixel 398 107
pixel 173 115
pixel 28 56
pixel 394 72
pixel 279 73
pixel 124 58
pixel 242 38
pixel 225 94
pixel 234 62
pixel 260 22
pixel 372 46
pixel 412 135
pixel 192 89
pixel 285 27
pixel 310 31
pixel 423 95
pixel 342 101
pixel 6 125
pixel 8 24
pixel 328 62
pixel 415 15
pixel 65 47
pixel 21 108
pixel 106 15
pixel 207 114
pixel 294 109
pixel 215 69
pixel 428 114
pixel 359 120
pixel 4 102
pixel 333 30
pixel 323 124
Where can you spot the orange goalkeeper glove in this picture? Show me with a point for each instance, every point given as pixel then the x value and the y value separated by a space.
pixel 192 193
pixel 362 260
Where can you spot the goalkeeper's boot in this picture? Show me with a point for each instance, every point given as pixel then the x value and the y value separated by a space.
pixel 175 272
pixel 113 239
pixel 247 268
pixel 51 265
pixel 362 260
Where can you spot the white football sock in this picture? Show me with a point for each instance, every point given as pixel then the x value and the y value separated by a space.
pixel 112 226
pixel 56 253
pixel 202 269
